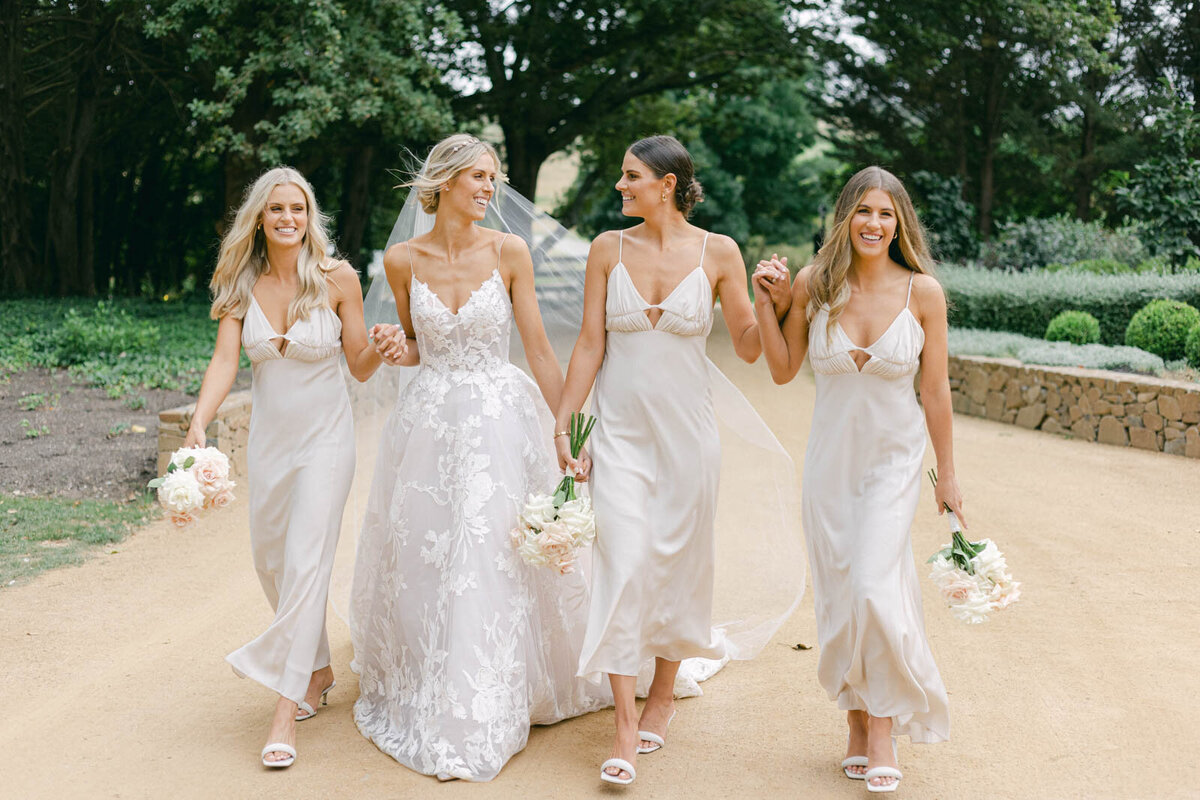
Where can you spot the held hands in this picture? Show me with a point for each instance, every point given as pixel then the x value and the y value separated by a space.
pixel 947 494
pixel 581 467
pixel 390 343
pixel 772 282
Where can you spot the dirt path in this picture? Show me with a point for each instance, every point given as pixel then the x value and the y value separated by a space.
pixel 115 683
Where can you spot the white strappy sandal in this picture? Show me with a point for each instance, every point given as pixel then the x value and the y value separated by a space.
pixel 620 764
pixel 649 736
pixel 279 747
pixel 308 712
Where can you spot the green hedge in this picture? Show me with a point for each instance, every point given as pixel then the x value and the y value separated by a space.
pixel 1025 302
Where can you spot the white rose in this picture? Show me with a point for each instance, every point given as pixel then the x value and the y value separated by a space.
pixel 990 563
pixel 180 492
pixel 576 515
pixel 539 511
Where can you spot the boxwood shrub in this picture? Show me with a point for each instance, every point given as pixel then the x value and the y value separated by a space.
pixel 1025 302
pixel 1162 328
pixel 1077 327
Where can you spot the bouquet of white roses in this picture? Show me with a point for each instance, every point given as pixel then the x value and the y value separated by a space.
pixel 552 527
pixel 972 577
pixel 197 480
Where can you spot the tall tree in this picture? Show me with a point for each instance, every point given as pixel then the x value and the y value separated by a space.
pixel 551 72
pixel 16 245
pixel 947 83
pixel 327 91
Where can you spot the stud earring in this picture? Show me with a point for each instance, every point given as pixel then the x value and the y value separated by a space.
pixel 664 197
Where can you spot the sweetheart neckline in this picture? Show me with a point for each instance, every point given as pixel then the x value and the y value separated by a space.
pixel 495 273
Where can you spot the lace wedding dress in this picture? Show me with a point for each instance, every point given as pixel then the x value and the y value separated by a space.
pixel 461 646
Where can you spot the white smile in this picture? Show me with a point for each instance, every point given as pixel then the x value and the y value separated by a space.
pixel 481 202
pixel 871 238
pixel 285 231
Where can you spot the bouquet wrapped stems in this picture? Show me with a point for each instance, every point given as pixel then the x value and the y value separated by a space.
pixel 578 431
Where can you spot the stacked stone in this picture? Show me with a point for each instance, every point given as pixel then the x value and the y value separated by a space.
pixel 228 432
pixel 1095 405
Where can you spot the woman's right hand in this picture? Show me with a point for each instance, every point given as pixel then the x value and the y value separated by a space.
pixel 566 462
pixel 195 437
pixel 772 282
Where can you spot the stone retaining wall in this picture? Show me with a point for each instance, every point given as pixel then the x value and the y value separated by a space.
pixel 228 432
pixel 1095 405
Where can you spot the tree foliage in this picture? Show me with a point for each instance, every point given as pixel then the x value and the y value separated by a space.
pixel 746 137
pixel 552 72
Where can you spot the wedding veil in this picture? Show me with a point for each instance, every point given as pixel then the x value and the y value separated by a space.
pixel 760 561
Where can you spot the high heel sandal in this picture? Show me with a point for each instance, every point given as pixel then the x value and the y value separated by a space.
pixel 621 765
pixel 853 761
pixel 658 741
pixel 885 772
pixel 279 747
pixel 308 712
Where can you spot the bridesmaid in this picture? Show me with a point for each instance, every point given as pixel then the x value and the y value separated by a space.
pixel 870 282
pixel 273 276
pixel 648 307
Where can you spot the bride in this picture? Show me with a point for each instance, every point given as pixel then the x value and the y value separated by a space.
pixel 460 645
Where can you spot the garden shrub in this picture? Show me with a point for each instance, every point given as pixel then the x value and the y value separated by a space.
pixel 1001 344
pixel 103 334
pixel 1034 243
pixel 1162 328
pixel 1077 327
pixel 1191 347
pixel 1025 302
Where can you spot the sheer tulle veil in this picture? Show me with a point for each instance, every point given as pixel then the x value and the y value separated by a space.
pixel 760 563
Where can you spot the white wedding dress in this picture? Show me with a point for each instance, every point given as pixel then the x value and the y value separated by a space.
pixel 461 646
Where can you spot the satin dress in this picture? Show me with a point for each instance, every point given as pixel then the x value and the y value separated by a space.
pixel 656 461
pixel 300 460
pixel 862 481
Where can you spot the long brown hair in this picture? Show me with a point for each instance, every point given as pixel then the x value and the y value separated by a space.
pixel 828 284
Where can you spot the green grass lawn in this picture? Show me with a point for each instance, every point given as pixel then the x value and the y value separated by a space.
pixel 39 533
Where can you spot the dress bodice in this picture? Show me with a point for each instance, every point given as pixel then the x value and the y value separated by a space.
pixel 314 338
pixel 474 339
pixel 686 311
pixel 895 354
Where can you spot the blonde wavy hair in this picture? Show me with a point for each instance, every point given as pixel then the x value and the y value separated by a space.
pixel 828 284
pixel 243 258
pixel 449 157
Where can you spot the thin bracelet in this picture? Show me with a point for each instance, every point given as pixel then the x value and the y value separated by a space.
pixel 561 433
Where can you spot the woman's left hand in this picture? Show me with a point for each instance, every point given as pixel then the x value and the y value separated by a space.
pixel 583 466
pixel 947 493
pixel 390 342
pixel 773 279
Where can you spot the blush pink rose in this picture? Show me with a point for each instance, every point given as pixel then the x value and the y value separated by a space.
pixel 181 519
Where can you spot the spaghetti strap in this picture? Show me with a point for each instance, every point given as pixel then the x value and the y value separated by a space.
pixel 500 250
pixel 703 247
pixel 908 299
pixel 412 266
pixel 620 244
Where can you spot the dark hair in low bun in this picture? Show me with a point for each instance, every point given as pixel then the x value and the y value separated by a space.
pixel 665 154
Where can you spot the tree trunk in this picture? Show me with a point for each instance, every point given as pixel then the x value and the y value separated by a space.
pixel 1084 177
pixel 16 247
pixel 356 204
pixel 65 237
pixel 526 154
pixel 239 172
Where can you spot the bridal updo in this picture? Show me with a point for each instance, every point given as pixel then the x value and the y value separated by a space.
pixel 666 155
pixel 452 155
